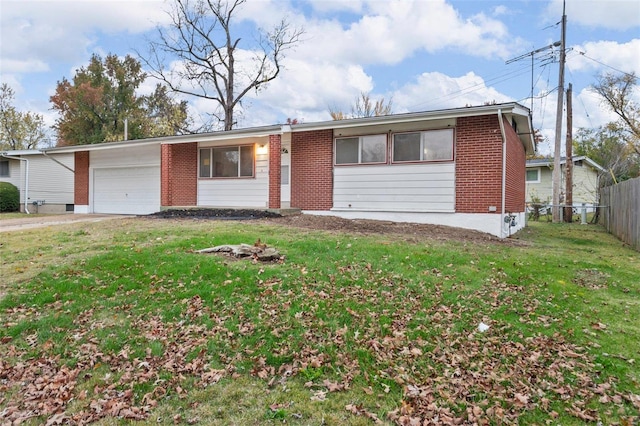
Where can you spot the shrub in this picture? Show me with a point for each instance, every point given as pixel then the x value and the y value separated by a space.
pixel 9 197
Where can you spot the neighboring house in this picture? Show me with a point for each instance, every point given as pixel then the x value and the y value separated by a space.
pixel 48 185
pixel 461 167
pixel 585 180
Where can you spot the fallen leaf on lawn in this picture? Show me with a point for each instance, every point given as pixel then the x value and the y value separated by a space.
pixel 358 410
pixel 319 395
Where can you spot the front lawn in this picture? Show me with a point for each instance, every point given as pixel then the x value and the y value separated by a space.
pixel 123 320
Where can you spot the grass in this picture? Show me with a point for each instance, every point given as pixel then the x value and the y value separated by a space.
pixel 348 329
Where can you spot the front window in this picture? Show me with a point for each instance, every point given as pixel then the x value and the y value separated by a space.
pixel 4 168
pixel 431 145
pixel 361 149
pixel 226 162
pixel 533 175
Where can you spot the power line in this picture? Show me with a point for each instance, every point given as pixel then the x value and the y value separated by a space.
pixel 584 107
pixel 605 65
pixel 475 87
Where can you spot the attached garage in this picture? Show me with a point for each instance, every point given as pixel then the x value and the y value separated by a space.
pixel 126 190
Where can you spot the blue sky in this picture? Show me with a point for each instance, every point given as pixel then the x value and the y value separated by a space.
pixel 422 54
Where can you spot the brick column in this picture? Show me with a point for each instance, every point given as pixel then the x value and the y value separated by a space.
pixel 312 170
pixel 179 175
pixel 275 170
pixel 81 178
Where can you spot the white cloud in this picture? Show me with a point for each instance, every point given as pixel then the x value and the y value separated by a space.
pixel 307 91
pixel 435 90
pixel 50 31
pixel 332 6
pixel 599 56
pixel 501 10
pixel 617 15
pixel 389 32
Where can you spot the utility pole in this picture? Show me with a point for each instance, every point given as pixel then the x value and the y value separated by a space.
pixel 556 173
pixel 532 54
pixel 568 211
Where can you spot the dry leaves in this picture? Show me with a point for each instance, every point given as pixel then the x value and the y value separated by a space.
pixel 424 348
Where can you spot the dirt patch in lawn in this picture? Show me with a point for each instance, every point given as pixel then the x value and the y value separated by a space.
pixel 409 231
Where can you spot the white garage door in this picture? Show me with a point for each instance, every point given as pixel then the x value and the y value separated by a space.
pixel 126 190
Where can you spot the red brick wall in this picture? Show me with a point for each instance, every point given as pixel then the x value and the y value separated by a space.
pixel 515 180
pixel 81 178
pixel 478 164
pixel 312 170
pixel 275 178
pixel 179 175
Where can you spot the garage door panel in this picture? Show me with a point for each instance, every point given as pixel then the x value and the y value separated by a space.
pixel 126 190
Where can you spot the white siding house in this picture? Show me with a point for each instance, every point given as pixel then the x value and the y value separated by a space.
pixel 48 186
pixel 585 180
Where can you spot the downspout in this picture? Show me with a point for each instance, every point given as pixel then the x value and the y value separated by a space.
pixel 26 178
pixel 504 172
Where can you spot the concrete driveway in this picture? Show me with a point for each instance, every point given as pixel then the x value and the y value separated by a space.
pixel 30 222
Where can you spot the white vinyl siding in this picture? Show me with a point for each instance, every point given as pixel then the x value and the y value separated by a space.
pixel 48 180
pixel 16 175
pixel 131 156
pixel 409 187
pixel 585 185
pixel 242 192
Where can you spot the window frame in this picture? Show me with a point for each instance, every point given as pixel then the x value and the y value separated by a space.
pixel 532 169
pixel 8 169
pixel 360 150
pixel 239 148
pixel 422 141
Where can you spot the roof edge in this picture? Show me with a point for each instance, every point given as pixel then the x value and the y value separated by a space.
pixel 563 160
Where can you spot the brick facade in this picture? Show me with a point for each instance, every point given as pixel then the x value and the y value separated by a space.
pixel 275 171
pixel 478 164
pixel 312 170
pixel 179 175
pixel 81 178
pixel 516 165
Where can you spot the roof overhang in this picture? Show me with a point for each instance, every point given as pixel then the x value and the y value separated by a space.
pixel 548 162
pixel 514 111
pixel 252 132
pixel 20 152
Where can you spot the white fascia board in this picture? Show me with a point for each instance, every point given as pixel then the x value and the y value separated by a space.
pixel 508 108
pixel 594 164
pixel 252 132
pixel 564 160
pixel 101 146
pixel 21 152
pixel 169 140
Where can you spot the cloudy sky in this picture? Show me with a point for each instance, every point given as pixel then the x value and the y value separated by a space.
pixel 421 54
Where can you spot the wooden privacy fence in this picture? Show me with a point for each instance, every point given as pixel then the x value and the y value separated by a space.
pixel 621 211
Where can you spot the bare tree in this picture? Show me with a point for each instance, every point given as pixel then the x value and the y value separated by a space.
pixel 364 106
pixel 200 39
pixel 617 92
